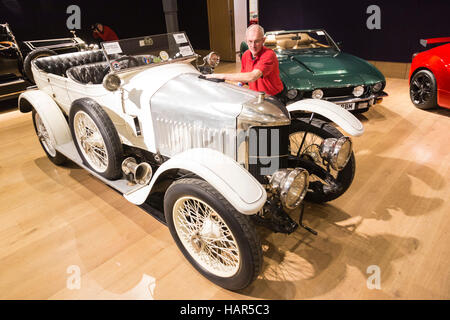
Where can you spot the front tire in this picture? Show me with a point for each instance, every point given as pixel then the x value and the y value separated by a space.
pixel 318 131
pixel 423 90
pixel 96 138
pixel 220 242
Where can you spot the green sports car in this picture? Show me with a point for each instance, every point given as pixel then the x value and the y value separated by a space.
pixel 313 66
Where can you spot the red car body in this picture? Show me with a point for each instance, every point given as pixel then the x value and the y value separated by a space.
pixel 436 60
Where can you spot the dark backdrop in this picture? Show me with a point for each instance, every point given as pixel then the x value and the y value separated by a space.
pixel 403 23
pixel 193 18
pixel 43 19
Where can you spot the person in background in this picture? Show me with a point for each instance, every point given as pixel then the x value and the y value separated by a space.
pixel 105 33
pixel 259 65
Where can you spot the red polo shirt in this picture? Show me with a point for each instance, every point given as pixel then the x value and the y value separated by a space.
pixel 107 35
pixel 266 61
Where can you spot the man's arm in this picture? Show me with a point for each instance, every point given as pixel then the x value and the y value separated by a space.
pixel 238 77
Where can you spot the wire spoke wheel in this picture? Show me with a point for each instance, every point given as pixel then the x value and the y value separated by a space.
pixel 206 236
pixel 90 141
pixel 96 138
pixel 43 136
pixel 311 147
pixel 331 183
pixel 217 240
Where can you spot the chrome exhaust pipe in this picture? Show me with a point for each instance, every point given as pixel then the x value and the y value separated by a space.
pixel 137 173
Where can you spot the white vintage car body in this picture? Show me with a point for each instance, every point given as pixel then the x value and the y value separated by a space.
pixel 164 90
pixel 181 123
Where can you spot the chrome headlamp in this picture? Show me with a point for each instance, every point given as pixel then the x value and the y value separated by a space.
pixel 336 151
pixel 291 185
pixel 358 91
pixel 111 82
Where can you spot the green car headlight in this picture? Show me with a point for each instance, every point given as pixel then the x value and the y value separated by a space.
pixel 317 94
pixel 292 94
pixel 377 87
pixel 358 91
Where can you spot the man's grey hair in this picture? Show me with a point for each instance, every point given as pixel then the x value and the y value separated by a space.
pixel 255 26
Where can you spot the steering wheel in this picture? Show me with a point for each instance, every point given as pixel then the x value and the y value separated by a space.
pixel 4 45
pixel 133 62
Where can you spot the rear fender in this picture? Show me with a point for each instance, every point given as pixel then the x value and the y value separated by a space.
pixel 49 112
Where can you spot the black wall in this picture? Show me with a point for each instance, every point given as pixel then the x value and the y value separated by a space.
pixel 403 23
pixel 193 18
pixel 43 19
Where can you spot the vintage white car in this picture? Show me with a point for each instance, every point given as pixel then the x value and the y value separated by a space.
pixel 215 158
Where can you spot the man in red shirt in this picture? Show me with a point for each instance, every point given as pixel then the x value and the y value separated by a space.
pixel 259 65
pixel 104 32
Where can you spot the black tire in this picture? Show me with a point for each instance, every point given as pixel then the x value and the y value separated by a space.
pixel 344 177
pixel 112 145
pixel 240 226
pixel 38 53
pixel 423 90
pixel 54 156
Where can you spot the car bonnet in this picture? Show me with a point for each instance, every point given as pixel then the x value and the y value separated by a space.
pixel 319 70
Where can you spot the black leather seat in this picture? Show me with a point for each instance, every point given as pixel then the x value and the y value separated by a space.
pixel 59 64
pixel 89 73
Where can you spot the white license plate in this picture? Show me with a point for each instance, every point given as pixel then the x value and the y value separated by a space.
pixel 348 106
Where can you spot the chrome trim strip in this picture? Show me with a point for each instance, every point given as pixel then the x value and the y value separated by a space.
pixel 30 43
pixel 372 96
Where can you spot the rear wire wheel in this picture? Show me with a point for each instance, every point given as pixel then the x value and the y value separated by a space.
pixel 46 141
pixel 96 138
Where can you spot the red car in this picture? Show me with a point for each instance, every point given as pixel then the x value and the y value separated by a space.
pixel 429 77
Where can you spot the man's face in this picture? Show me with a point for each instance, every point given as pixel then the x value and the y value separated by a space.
pixel 255 41
pixel 100 27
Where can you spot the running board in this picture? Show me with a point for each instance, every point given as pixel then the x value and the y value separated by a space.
pixel 152 206
pixel 121 185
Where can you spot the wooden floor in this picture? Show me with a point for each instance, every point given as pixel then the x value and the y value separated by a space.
pixel 55 221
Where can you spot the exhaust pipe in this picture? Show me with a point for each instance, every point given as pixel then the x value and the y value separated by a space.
pixel 137 173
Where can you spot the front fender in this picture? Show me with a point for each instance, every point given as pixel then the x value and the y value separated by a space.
pixel 347 121
pixel 49 112
pixel 235 183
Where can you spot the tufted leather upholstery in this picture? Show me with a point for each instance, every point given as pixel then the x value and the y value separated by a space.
pixel 59 64
pixel 89 73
